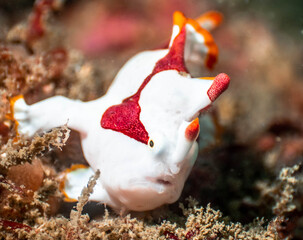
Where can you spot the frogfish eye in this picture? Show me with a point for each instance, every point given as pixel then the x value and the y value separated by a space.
pixel 151 143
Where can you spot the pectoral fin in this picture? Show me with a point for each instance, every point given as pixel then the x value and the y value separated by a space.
pixel 18 112
pixel 73 181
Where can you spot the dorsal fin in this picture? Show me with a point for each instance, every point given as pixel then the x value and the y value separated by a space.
pixel 199 44
pixel 210 20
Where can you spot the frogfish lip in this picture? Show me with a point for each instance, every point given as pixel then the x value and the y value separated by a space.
pixel 157 185
pixel 164 181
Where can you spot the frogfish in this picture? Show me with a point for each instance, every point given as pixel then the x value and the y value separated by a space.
pixel 142 134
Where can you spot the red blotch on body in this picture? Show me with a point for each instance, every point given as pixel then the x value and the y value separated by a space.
pixel 219 85
pixel 192 130
pixel 125 117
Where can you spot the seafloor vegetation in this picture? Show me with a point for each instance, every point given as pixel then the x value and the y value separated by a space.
pixel 246 185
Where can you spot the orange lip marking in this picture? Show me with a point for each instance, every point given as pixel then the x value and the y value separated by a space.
pixel 192 130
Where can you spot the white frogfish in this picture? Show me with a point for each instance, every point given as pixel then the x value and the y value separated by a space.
pixel 142 133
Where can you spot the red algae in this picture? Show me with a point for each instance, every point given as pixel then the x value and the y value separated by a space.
pixel 12 226
pixel 36 23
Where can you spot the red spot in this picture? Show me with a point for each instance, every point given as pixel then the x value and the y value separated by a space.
pixel 125 117
pixel 190 234
pixel 13 187
pixel 192 130
pixel 169 235
pixel 36 25
pixel 219 85
pixel 10 225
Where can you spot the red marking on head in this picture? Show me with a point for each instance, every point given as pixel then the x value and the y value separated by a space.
pixel 192 130
pixel 219 85
pixel 125 117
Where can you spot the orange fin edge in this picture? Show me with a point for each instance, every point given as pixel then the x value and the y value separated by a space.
pixel 213 16
pixel 63 179
pixel 10 115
